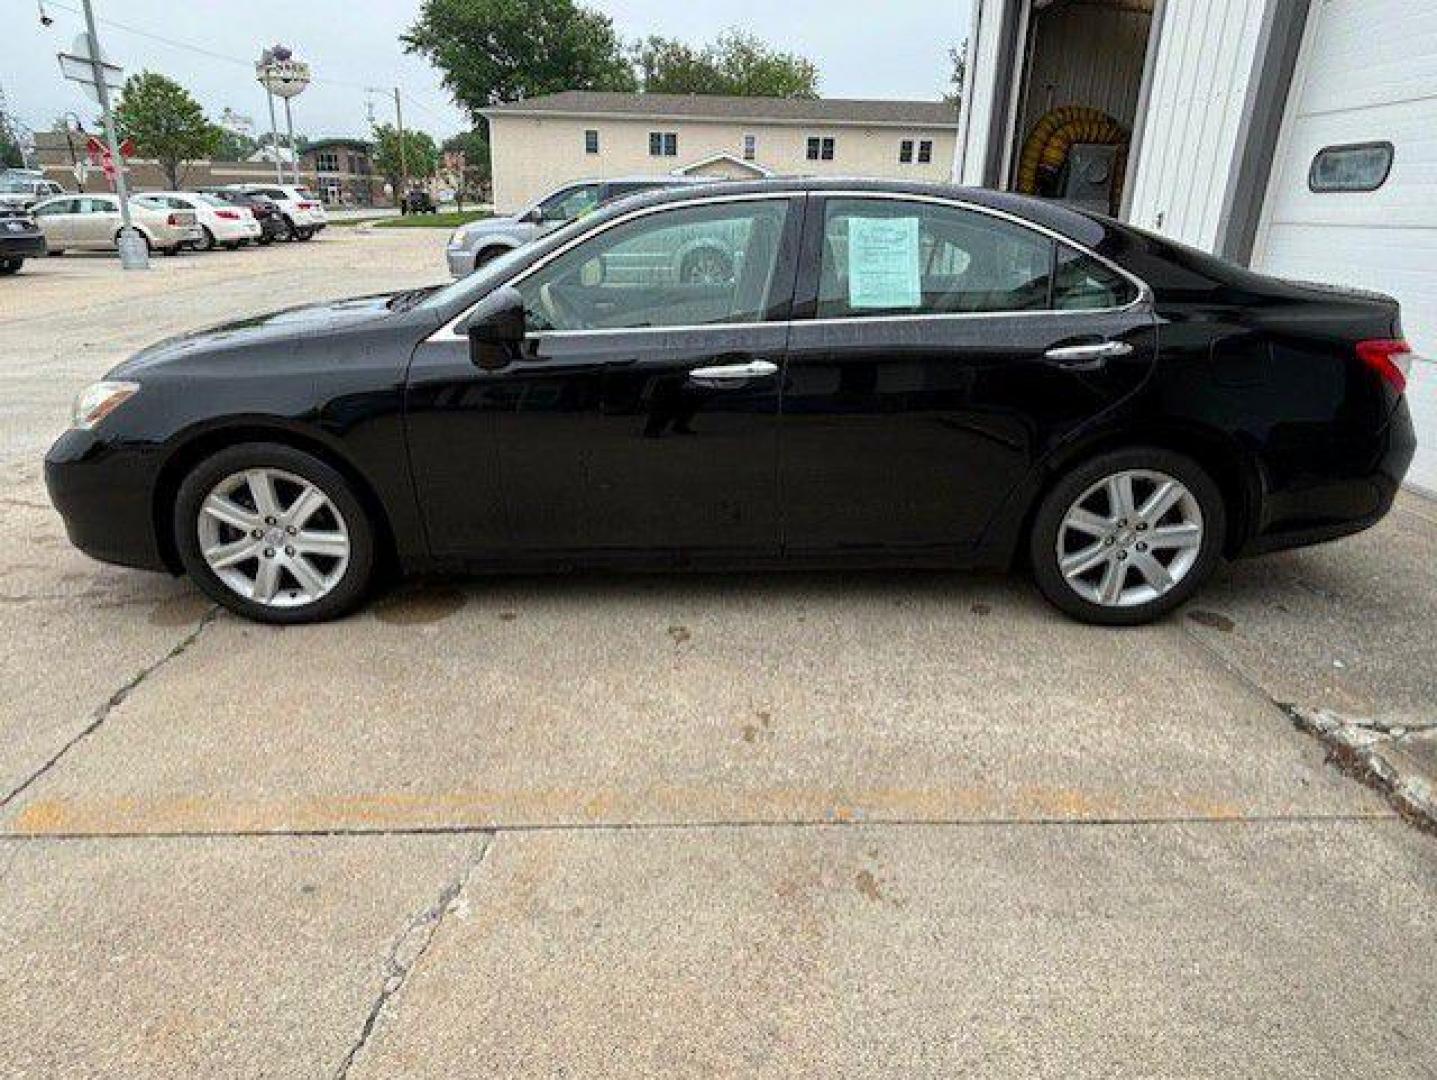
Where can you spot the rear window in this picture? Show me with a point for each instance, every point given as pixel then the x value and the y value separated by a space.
pixel 305 193
pixel 1080 282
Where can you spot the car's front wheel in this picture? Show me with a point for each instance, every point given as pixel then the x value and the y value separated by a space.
pixel 1127 536
pixel 274 534
pixel 11 266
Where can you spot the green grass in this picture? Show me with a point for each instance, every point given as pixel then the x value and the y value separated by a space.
pixel 449 219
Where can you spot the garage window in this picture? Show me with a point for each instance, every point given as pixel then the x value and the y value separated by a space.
pixel 1356 167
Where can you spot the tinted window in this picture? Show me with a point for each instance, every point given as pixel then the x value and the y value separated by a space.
pixel 618 191
pixel 570 203
pixel 1361 167
pixel 59 206
pixel 694 266
pixel 885 257
pixel 1082 282
pixel 99 206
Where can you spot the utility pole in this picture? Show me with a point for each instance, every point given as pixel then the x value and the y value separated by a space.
pixel 403 164
pixel 133 250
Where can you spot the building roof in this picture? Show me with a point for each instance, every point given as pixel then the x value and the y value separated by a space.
pixel 867 112
pixel 338 140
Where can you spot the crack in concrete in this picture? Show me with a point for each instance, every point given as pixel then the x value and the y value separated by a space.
pixel 1357 747
pixel 113 702
pixel 409 948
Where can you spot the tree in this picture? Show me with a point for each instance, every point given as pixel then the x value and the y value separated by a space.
pixel 234 145
pixel 470 181
pixel 165 123
pixel 504 50
pixel 11 155
pixel 958 55
pixel 420 160
pixel 737 63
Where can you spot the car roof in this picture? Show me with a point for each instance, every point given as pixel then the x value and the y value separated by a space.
pixel 1082 227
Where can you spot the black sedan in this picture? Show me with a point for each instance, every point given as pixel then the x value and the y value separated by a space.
pixel 887 374
pixel 20 239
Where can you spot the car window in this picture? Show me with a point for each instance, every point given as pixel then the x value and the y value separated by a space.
pixel 98 206
pixel 1081 282
pixel 158 202
pixel 689 266
pixel 887 257
pixel 619 190
pixel 570 203
pixel 59 206
pixel 211 200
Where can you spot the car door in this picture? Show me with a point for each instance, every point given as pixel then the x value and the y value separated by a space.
pixel 641 414
pixel 56 221
pixel 938 352
pixel 97 222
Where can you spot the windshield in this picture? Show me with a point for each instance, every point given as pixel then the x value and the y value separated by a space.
pixel 11 185
pixel 212 200
pixel 479 282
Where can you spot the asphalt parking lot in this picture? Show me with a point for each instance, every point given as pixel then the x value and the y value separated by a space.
pixel 783 825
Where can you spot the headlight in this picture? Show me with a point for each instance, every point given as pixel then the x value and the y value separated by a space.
pixel 458 237
pixel 99 400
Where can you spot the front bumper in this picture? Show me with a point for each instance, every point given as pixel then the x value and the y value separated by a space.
pixel 105 495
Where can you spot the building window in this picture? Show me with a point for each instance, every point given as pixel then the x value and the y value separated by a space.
pixel 326 161
pixel 820 149
pixel 925 151
pixel 1358 167
pixel 663 144
pixel 750 147
pixel 591 141
pixel 905 152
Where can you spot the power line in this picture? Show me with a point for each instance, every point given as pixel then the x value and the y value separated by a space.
pixel 174 43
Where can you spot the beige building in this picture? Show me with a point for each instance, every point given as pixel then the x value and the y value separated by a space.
pixel 543 142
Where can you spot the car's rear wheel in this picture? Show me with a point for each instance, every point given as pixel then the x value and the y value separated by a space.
pixel 274 534
pixel 488 255
pixel 1128 536
pixel 206 241
pixel 11 266
pixel 303 234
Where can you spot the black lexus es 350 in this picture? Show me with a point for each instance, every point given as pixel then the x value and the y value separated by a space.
pixel 780 373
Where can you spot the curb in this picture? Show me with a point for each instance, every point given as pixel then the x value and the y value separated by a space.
pixel 1369 750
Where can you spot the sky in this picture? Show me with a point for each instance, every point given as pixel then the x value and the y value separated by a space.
pixel 863 48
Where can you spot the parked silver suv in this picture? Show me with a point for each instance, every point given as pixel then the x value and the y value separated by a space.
pixel 477 243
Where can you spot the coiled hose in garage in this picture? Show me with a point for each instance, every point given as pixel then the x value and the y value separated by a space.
pixel 1045 151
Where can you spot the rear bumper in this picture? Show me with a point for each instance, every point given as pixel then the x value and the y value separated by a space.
pixel 1330 508
pixel 105 496
pixel 18 246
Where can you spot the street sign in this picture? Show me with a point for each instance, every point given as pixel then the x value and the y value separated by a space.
pixel 282 78
pixel 78 65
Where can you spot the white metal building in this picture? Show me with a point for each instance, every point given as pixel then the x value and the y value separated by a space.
pixel 1297 136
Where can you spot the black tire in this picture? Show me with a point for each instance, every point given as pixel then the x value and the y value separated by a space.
pixel 303 234
pixel 289 229
pixel 488 255
pixel 207 241
pixel 266 240
pixel 55 252
pixel 346 594
pixel 234 245
pixel 1043 541
pixel 11 266
pixel 173 250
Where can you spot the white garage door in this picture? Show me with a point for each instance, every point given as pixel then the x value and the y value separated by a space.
pixel 1366 81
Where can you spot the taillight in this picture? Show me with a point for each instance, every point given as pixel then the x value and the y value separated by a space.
pixel 1389 357
pixel 309 206
pixel 173 219
pixel 228 215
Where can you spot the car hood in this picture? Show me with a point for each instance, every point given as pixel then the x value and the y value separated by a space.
pixel 291 325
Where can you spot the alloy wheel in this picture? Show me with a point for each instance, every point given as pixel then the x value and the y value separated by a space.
pixel 273 537
pixel 1130 538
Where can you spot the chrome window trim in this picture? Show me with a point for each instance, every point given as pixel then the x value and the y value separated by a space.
pixel 447 332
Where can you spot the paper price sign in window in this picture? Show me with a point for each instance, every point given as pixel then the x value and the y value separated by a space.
pixel 883 263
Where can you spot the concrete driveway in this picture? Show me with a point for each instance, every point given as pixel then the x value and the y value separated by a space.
pixel 806 825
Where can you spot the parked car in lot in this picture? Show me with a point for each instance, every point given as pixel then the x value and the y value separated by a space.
pixel 219 222
pixel 480 242
pixel 417 201
pixel 897 373
pixel 265 211
pixel 20 239
pixel 301 211
pixel 21 189
pixel 93 222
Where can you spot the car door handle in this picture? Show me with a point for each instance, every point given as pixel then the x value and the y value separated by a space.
pixel 733 374
pixel 1087 357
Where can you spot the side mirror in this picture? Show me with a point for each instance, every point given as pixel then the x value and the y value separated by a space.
pixel 496 329
pixel 533 217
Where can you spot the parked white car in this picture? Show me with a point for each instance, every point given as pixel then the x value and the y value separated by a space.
pixel 301 208
pixel 93 222
pixel 219 221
